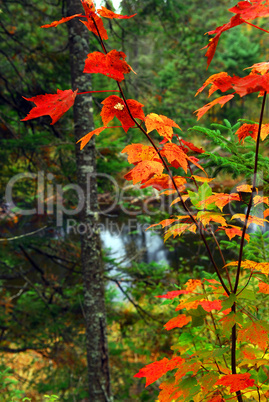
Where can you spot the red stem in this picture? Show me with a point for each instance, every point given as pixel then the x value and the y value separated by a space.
pixel 93 92
pixel 255 26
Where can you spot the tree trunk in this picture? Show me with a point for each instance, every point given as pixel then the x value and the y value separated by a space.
pixel 91 259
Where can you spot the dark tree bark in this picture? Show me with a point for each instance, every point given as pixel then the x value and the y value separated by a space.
pixel 91 259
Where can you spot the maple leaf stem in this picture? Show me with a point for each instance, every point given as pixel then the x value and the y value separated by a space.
pixel 99 36
pixel 94 92
pixel 255 26
pixel 251 197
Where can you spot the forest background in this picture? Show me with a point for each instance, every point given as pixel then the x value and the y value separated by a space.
pixel 42 330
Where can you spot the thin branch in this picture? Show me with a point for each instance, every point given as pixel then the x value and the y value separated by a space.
pixel 24 235
pixel 251 197
pixel 169 173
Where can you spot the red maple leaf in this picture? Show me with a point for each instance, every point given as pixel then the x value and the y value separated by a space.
pixel 89 11
pixel 104 12
pixel 154 371
pixel 93 22
pixel 192 147
pixel 112 64
pixel 115 107
pixel 54 105
pixel 234 21
pixel 177 322
pixel 236 382
pixel 88 6
pixel 249 11
pixel 251 83
pixel 143 171
pixel 209 305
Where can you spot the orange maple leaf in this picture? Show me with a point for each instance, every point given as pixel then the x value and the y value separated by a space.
pixel 251 130
pixel 259 200
pixel 61 21
pixel 143 171
pixel 104 12
pixel 260 68
pixel 179 229
pixel 175 156
pixel 169 392
pixel 220 199
pixel 251 219
pixel 115 107
pixel 193 284
pixel 222 79
pixel 54 105
pixel 186 368
pixel 263 288
pixel 232 231
pixel 207 217
pixel 222 100
pixel 112 64
pixel 236 382
pixel 84 140
pixel 262 267
pixel 177 322
pixel 248 352
pixel 164 223
pixel 245 188
pixel 255 332
pixel 139 152
pixel 164 181
pixel 160 123
pixel 208 305
pixel 154 371
pixel 216 398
